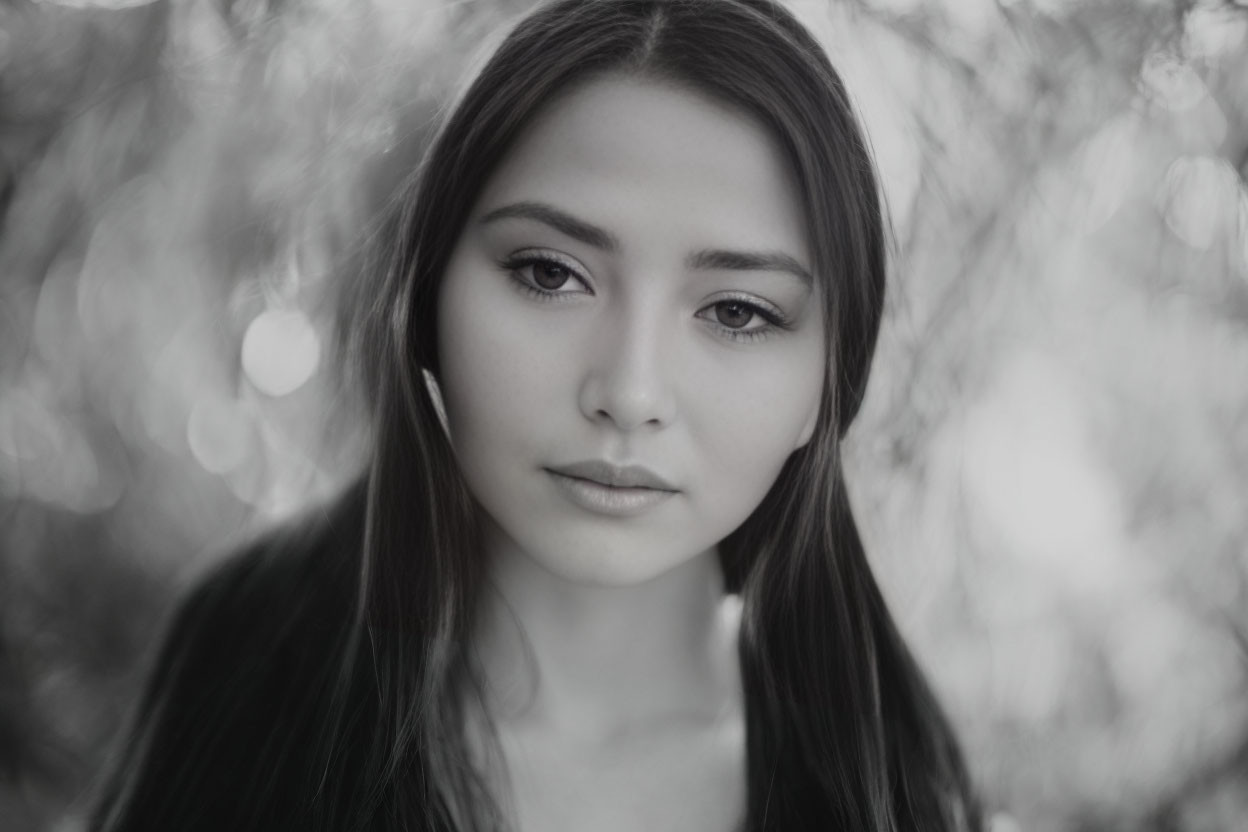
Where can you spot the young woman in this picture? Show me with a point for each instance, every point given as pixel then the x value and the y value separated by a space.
pixel 602 572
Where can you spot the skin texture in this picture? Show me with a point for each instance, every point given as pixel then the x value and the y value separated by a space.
pixel 628 363
pixel 606 643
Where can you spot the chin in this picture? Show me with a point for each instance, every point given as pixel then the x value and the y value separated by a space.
pixel 607 561
pixel 591 555
pixel 608 570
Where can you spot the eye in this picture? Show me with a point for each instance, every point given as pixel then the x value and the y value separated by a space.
pixel 549 275
pixel 546 274
pixel 734 314
pixel 742 319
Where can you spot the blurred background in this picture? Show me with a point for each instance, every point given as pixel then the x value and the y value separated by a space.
pixel 1051 470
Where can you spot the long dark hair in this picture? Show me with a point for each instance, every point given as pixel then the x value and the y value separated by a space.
pixel 842 729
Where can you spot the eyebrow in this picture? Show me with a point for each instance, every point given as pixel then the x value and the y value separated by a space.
pixel 592 235
pixel 751 261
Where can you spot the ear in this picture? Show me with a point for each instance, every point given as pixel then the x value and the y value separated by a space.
pixel 808 429
pixel 435 393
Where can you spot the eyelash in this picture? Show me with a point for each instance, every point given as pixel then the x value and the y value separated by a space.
pixel 516 262
pixel 774 319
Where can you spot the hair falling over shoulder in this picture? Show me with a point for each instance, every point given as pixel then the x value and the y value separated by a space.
pixel 843 731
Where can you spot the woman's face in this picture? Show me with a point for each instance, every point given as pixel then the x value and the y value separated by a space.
pixel 632 290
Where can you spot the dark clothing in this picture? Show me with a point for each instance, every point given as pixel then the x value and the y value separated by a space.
pixel 235 728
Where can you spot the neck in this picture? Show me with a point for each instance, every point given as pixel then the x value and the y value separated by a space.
pixel 595 661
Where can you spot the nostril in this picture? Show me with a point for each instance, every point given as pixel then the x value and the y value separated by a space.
pixel 628 390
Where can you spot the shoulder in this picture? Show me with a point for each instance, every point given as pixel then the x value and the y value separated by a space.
pixel 307 563
pixel 288 591
pixel 242 683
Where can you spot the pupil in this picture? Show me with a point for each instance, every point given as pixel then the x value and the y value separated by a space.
pixel 549 276
pixel 735 315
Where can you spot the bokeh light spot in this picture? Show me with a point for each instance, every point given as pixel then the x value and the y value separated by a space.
pixel 1211 31
pixel 47 457
pixel 1003 822
pixel 281 351
pixel 1028 463
pixel 1170 82
pixel 1105 170
pixel 220 434
pixel 1198 198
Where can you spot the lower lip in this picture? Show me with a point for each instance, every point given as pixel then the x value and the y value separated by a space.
pixel 606 499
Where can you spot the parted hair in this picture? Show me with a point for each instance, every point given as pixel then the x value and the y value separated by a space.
pixel 317 681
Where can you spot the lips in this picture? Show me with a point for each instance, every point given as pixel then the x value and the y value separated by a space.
pixel 618 491
pixel 614 476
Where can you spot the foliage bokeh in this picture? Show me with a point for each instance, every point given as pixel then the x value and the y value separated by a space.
pixel 1051 469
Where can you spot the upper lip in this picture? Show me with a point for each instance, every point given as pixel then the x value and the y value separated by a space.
pixel 616 476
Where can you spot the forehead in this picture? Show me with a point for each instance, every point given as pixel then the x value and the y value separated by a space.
pixel 618 148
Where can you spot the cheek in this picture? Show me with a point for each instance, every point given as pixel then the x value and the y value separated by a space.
pixel 473 378
pixel 494 382
pixel 750 423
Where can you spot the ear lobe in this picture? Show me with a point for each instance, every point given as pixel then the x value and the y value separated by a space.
pixel 435 393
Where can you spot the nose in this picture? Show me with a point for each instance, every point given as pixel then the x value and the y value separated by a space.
pixel 626 381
